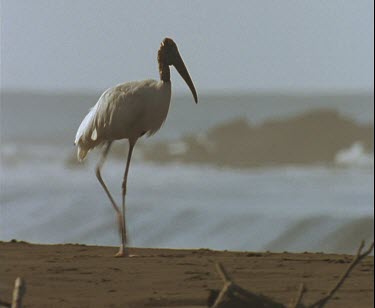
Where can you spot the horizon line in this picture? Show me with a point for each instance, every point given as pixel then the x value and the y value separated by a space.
pixel 207 92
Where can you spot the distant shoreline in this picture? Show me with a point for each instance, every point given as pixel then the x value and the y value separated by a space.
pixel 321 136
pixel 26 115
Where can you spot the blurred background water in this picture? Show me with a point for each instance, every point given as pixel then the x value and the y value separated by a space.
pixel 278 154
pixel 47 197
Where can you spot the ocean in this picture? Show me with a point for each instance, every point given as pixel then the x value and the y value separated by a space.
pixel 45 198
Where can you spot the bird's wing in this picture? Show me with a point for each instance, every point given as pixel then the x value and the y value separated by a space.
pixel 87 126
pixel 117 111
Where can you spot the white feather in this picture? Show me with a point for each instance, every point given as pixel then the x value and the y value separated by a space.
pixel 83 127
pixel 125 111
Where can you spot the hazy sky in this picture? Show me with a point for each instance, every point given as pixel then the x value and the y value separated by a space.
pixel 227 45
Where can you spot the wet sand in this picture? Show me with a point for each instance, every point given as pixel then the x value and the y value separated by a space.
pixel 89 276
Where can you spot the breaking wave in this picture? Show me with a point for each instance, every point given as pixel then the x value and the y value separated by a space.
pixel 355 156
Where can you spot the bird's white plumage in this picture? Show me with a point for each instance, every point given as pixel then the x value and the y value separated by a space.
pixel 83 128
pixel 128 111
pixel 125 111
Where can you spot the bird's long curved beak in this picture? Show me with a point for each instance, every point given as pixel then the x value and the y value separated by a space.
pixel 182 70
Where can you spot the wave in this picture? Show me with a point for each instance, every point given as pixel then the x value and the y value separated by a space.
pixel 355 156
pixel 14 153
pixel 324 233
pixel 181 206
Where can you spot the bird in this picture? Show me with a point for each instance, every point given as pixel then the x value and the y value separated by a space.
pixel 129 111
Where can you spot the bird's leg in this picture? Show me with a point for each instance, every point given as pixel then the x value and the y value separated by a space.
pixel 116 208
pixel 131 146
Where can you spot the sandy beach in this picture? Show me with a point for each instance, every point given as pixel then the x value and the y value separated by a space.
pixel 228 145
pixel 89 276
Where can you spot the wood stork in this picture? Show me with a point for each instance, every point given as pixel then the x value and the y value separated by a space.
pixel 128 111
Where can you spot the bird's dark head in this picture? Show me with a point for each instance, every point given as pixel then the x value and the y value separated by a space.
pixel 168 54
pixel 168 51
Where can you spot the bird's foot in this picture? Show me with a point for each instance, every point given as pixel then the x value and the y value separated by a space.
pixel 121 255
pixel 123 252
pixel 124 255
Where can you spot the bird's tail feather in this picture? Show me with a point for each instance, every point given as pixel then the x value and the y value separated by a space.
pixel 81 153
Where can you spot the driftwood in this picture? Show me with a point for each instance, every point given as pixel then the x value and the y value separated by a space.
pixel 18 293
pixel 234 296
pixel 358 258
pixel 297 302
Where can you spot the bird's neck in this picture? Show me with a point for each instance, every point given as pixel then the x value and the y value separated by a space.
pixel 164 72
